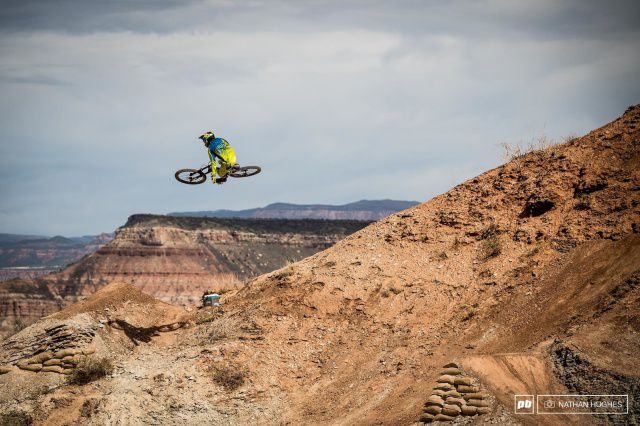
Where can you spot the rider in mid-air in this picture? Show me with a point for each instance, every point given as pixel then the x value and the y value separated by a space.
pixel 219 148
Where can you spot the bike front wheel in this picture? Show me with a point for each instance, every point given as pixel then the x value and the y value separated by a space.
pixel 246 171
pixel 190 176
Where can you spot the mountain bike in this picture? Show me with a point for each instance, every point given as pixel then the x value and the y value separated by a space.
pixel 197 176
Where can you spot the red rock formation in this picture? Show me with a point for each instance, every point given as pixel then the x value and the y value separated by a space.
pixel 176 259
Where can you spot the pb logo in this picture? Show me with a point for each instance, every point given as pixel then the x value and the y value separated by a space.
pixel 524 404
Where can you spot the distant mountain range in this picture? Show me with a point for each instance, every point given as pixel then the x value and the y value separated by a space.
pixel 360 210
pixel 36 251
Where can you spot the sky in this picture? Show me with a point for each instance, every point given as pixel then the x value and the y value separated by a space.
pixel 337 101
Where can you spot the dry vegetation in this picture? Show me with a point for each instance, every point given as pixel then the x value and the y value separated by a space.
pixel 90 369
pixel 228 376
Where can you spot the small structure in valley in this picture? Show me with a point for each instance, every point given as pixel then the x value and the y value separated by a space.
pixel 210 299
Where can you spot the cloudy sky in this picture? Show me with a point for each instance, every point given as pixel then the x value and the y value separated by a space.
pixel 337 100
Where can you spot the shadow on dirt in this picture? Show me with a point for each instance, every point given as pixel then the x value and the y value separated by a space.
pixel 137 334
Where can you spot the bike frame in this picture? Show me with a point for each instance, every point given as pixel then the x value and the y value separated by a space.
pixel 206 169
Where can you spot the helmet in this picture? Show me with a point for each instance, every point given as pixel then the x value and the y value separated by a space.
pixel 207 136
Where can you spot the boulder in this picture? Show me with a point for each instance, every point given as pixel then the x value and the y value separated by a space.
pixel 440 392
pixel 451 365
pixel 484 410
pixel 52 361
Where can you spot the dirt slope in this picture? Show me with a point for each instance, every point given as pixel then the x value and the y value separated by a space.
pixel 174 259
pixel 525 277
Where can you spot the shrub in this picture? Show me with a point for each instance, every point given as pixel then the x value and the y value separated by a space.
pixel 228 376
pixel 90 369
pixel 284 273
pixel 491 247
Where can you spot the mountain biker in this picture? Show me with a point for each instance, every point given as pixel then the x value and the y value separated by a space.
pixel 219 148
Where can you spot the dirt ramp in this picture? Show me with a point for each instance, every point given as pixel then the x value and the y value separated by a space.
pixel 125 302
pixel 506 375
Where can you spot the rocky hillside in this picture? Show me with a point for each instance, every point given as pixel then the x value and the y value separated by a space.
pixel 25 251
pixel 360 210
pixel 522 281
pixel 175 259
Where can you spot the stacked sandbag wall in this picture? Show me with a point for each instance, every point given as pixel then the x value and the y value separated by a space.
pixel 455 394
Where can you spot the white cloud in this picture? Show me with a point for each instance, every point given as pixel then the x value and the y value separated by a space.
pixel 333 115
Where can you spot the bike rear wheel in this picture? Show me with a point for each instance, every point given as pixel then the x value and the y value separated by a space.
pixel 190 176
pixel 240 172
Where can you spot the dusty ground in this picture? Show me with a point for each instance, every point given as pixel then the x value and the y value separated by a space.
pixel 525 276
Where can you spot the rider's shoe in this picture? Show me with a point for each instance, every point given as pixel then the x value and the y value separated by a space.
pixel 221 180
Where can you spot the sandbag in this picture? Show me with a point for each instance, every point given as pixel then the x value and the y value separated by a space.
pixel 446 379
pixel 435 400
pixel 451 410
pixel 433 409
pixel 477 403
pixel 469 411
